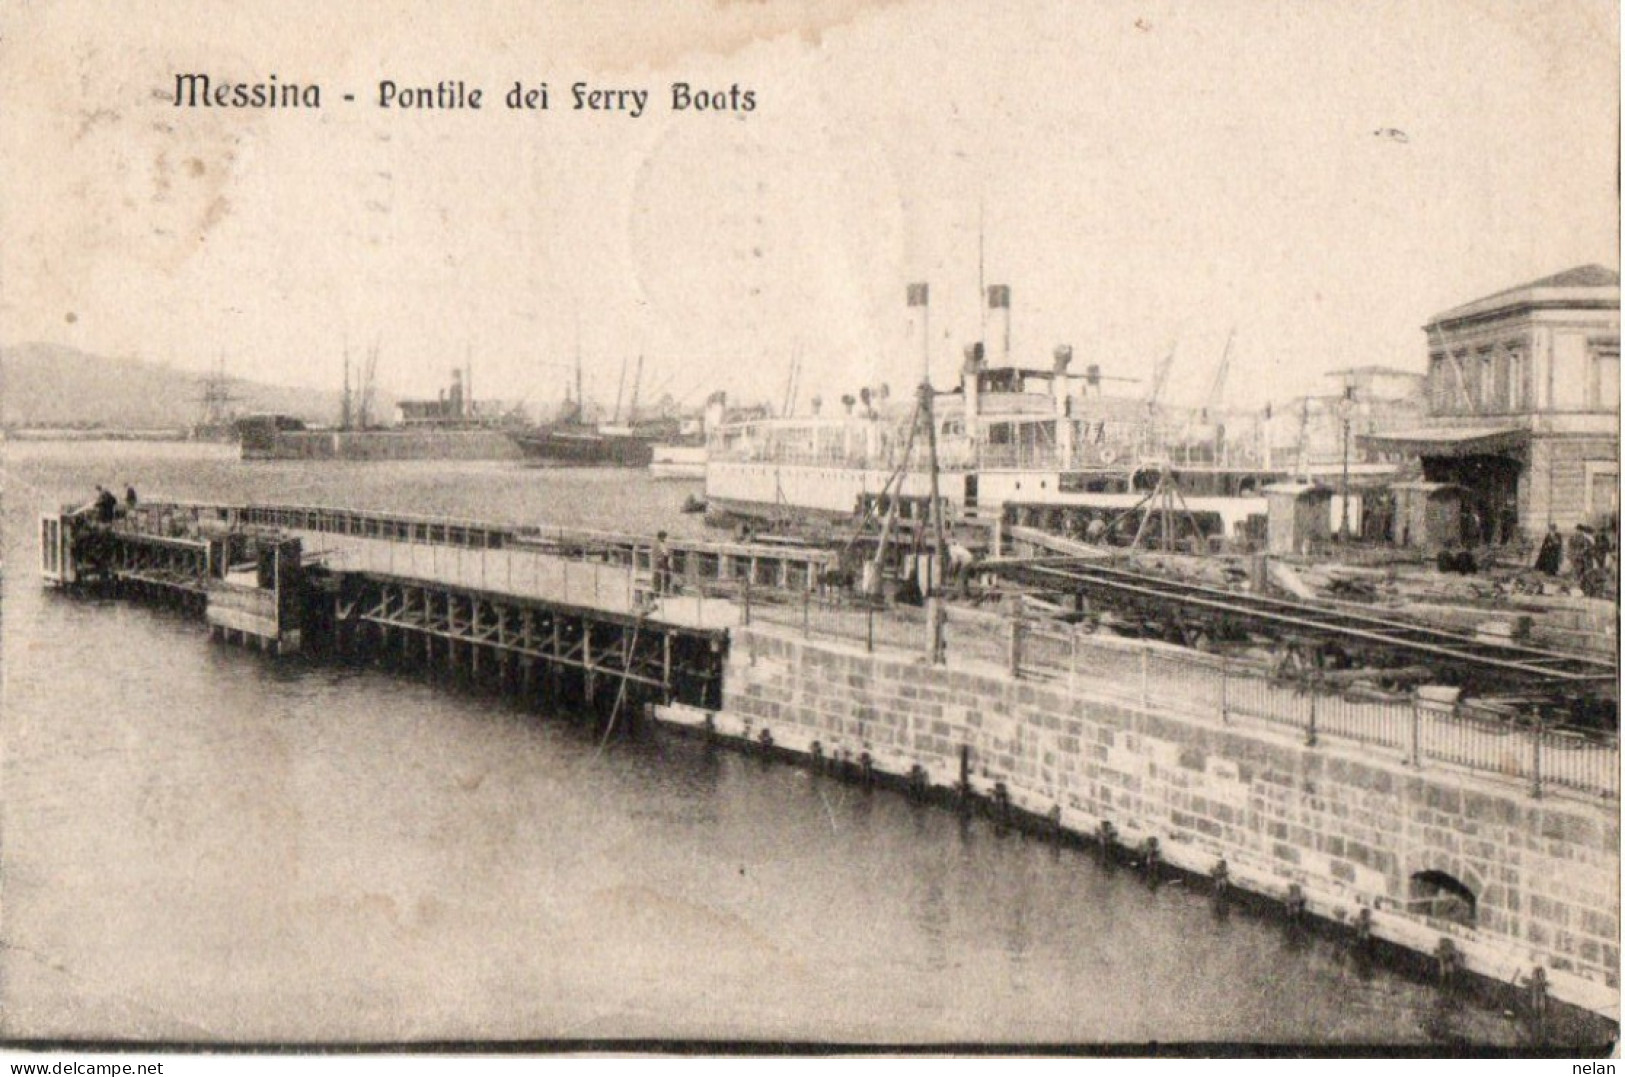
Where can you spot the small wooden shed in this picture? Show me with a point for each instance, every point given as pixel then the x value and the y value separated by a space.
pixel 1300 516
pixel 1427 515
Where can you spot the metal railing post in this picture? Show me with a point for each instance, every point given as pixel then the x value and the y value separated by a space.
pixel 1145 676
pixel 1537 735
pixel 1314 695
pixel 1416 733
pixel 806 615
pixel 1072 667
pixel 747 600
pixel 869 616
pixel 1224 689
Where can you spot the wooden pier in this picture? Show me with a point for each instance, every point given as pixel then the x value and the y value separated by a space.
pixel 582 615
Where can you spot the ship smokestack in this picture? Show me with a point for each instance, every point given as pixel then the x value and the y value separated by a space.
pixel 998 307
pixel 970 380
pixel 919 303
pixel 1060 384
pixel 1065 426
pixel 716 408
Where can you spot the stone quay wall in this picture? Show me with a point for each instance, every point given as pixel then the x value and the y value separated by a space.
pixel 1348 828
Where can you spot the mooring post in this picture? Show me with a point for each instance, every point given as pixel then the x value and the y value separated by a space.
pixel 665 663
pixel 936 613
pixel 964 775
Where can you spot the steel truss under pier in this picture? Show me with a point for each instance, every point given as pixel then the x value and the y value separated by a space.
pixel 516 639
pixel 1198 613
pixel 175 568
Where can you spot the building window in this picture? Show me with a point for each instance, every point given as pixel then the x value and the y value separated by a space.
pixel 1452 389
pixel 1486 381
pixel 1605 375
pixel 1439 388
pixel 1602 488
pixel 1515 381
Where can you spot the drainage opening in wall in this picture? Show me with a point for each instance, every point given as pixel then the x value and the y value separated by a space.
pixel 1443 897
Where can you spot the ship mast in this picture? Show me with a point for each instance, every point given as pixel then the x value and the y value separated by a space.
pixel 637 380
pixel 581 401
pixel 344 407
pixel 620 389
pixel 919 295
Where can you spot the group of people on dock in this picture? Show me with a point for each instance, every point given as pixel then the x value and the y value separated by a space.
pixel 1590 556
pixel 106 504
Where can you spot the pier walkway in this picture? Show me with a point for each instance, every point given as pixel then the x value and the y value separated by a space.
pixel 518 600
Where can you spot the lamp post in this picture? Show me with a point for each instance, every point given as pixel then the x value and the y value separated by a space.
pixel 1345 412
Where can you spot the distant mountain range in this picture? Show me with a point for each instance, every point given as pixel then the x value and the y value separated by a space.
pixel 51 385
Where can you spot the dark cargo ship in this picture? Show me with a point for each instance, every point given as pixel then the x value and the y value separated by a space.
pixel 569 444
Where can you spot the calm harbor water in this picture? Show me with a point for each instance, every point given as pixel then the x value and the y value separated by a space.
pixel 200 843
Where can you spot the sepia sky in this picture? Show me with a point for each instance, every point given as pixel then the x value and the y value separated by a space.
pixel 1317 177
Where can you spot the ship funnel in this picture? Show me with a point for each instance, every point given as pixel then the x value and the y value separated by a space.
pixel 716 408
pixel 974 358
pixel 971 383
pixel 454 401
pixel 998 308
pixel 919 304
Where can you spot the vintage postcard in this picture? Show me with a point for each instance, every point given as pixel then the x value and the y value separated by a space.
pixel 739 526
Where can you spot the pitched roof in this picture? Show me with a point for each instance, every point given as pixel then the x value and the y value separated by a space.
pixel 1592 276
pixel 1570 281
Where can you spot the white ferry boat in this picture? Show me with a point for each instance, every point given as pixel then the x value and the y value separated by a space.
pixel 1043 448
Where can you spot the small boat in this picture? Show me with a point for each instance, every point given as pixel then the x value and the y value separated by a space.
pixel 693 503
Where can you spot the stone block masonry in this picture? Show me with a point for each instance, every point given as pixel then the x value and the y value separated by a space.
pixel 1515 883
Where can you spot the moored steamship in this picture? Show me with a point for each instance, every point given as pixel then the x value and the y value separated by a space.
pixel 1048 447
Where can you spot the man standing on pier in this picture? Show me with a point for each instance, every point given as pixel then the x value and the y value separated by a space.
pixel 662 564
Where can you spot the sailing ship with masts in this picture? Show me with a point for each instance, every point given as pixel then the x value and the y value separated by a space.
pixel 573 441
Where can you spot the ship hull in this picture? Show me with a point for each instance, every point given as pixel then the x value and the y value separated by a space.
pixel 681 462
pixel 586 449
pixel 361 445
pixel 771 491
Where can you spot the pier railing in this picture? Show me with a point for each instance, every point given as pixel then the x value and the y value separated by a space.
pixel 1160 677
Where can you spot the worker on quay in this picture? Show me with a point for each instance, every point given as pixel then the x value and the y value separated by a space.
pixel 106 505
pixel 961 566
pixel 1550 559
pixel 1579 550
pixel 1096 531
pixel 129 498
